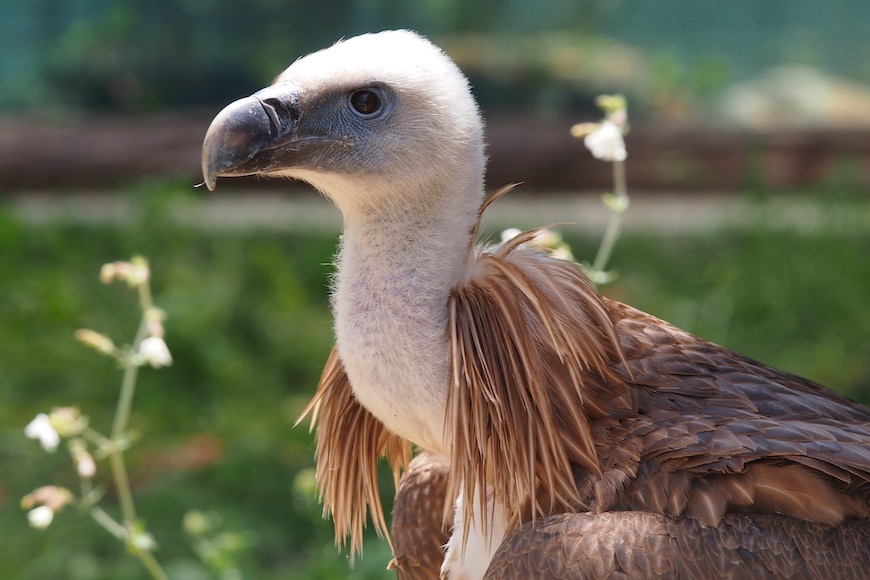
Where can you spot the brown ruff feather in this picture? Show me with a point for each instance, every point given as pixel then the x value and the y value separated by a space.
pixel 522 331
pixel 350 441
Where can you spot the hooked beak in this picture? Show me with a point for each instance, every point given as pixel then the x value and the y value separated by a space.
pixel 257 134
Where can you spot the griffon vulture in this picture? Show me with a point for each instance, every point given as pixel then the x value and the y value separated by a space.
pixel 567 435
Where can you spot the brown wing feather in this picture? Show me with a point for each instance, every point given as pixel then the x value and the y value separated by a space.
pixel 749 437
pixel 419 535
pixel 645 545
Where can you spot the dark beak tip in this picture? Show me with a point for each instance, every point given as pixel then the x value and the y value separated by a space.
pixel 212 153
pixel 242 138
pixel 233 136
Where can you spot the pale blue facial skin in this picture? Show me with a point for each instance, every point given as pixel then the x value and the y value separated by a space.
pixel 278 128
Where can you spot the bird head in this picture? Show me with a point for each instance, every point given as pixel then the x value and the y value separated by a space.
pixel 368 117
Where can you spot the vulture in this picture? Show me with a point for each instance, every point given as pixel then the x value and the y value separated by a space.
pixel 559 434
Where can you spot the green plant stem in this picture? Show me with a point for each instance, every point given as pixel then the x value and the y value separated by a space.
pixel 611 233
pixel 97 439
pixel 119 426
pixel 122 414
pixel 145 297
pixel 131 368
pixel 151 564
pixel 120 532
pixel 109 523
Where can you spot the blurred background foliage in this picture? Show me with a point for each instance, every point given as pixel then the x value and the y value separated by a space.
pixel 684 59
pixel 249 326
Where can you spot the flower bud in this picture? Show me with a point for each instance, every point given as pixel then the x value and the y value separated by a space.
pixel 84 461
pixel 610 104
pixel 154 318
pixel 97 341
pixel 134 272
pixel 139 272
pixel 615 203
pixel 142 541
pixel 52 496
pixel 108 273
pixel 67 421
pixel 580 130
pixel 86 466
pixel 197 523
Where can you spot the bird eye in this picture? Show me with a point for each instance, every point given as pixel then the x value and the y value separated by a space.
pixel 366 102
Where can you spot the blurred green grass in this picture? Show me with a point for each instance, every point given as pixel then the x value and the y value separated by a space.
pixel 249 329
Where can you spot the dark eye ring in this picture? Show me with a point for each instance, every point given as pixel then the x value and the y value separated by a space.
pixel 366 102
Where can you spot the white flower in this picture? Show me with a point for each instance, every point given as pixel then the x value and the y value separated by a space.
pixel 40 517
pixel 154 351
pixel 606 143
pixel 42 429
pixel 509 234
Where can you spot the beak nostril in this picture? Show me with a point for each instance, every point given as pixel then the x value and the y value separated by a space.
pixel 269 106
pixel 280 103
pixel 282 115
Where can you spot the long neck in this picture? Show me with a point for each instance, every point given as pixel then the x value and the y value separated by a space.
pixel 396 268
